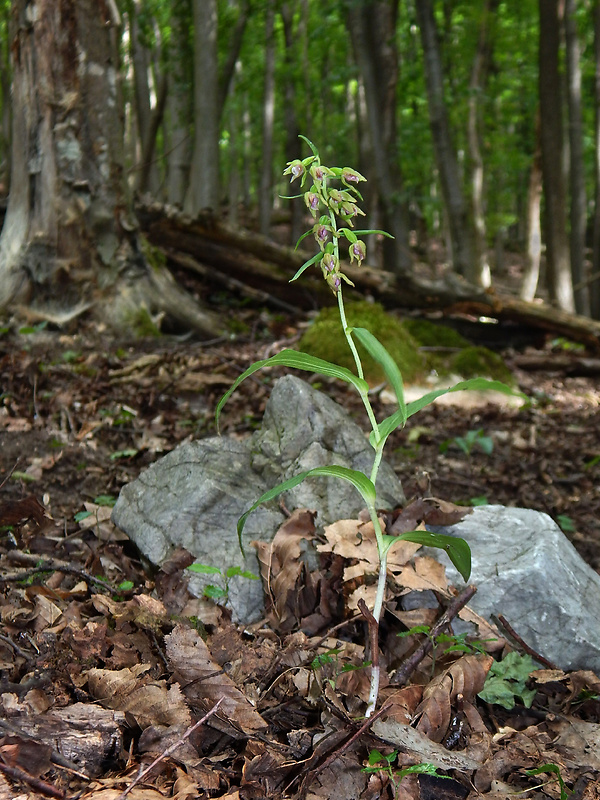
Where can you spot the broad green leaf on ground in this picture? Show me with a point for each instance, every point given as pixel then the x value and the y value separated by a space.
pixel 457 549
pixel 296 360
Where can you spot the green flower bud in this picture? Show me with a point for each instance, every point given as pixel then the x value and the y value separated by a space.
pixel 334 282
pixel 312 201
pixel 321 233
pixel 358 251
pixel 330 264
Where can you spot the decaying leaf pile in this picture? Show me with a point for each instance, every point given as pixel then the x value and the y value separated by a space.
pixel 107 666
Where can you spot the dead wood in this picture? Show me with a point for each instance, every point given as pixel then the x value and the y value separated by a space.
pixel 261 264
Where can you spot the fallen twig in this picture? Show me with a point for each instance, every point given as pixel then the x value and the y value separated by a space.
pixel 171 749
pixel 412 662
pixel 40 786
pixel 522 645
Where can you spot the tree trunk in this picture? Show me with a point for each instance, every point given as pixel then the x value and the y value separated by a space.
pixel 577 171
pixel 452 191
pixel 292 130
pixel 533 233
pixel 595 279
pixel 147 173
pixel 68 228
pixel 477 86
pixel 179 104
pixel 265 199
pixel 204 189
pixel 372 27
pixel 560 285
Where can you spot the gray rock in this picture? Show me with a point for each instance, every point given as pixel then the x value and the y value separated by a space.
pixel 526 569
pixel 194 496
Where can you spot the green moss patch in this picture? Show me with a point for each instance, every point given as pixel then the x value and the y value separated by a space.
pixel 326 340
pixel 474 362
pixel 432 334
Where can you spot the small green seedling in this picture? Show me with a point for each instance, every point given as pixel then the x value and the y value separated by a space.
pixel 457 643
pixel 380 763
pixel 332 199
pixel 507 680
pixel 566 523
pixel 217 593
pixel 473 439
pixel 331 657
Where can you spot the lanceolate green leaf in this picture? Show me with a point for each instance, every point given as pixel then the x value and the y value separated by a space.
pixel 382 233
pixel 357 479
pixel 397 419
pixel 311 145
pixel 377 351
pixel 307 264
pixel 296 360
pixel 458 550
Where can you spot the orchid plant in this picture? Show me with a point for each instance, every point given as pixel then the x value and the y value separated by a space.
pixel 334 210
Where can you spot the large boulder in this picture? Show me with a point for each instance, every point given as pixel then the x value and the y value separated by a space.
pixel 193 496
pixel 526 569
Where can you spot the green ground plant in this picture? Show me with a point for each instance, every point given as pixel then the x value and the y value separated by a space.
pixel 217 593
pixel 470 441
pixel 334 211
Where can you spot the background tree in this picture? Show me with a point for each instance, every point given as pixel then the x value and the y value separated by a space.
pixel 69 240
pixel 460 226
pixel 560 285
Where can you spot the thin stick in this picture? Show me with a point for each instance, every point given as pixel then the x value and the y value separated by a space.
pixel 523 645
pixel 170 749
pixel 411 663
pixel 40 786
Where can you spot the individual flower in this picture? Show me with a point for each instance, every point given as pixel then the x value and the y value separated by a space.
pixel 334 282
pixel 295 168
pixel 312 202
pixel 321 233
pixel 319 172
pixel 358 251
pixel 330 264
pixel 350 210
pixel 350 176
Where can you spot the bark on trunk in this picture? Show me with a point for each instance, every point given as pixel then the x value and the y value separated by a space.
pixel 478 83
pixel 533 232
pixel 452 191
pixel 560 285
pixel 372 27
pixel 265 199
pixel 577 171
pixel 203 191
pixel 69 237
pixel 595 277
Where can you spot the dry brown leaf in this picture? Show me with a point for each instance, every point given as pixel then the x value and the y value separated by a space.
pixel 464 677
pixel 205 681
pixel 150 703
pixel 355 540
pixel 425 573
pixel 427 511
pixel 290 590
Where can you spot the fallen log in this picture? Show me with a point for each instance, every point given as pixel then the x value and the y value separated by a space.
pixel 265 266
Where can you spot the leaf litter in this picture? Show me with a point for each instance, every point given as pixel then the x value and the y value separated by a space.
pixel 106 667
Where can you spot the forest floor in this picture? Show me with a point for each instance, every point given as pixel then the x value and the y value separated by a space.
pixel 91 640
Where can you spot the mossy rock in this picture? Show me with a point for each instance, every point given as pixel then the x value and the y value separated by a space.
pixel 326 340
pixel 475 362
pixel 433 334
